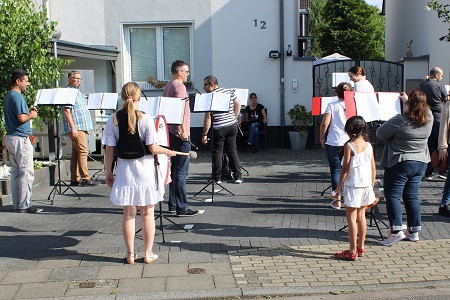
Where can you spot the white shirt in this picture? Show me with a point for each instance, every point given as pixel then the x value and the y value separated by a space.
pixel 336 133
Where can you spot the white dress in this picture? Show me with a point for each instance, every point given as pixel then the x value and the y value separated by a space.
pixel 135 183
pixel 358 190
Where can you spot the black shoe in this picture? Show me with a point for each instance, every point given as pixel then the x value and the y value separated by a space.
pixel 88 183
pixel 74 183
pixel 30 210
pixel 444 210
pixel 188 213
pixel 172 211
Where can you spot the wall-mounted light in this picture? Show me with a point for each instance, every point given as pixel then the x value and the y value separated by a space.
pixel 274 54
pixel 289 51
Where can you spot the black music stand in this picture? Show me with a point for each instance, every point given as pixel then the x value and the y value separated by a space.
pixel 58 187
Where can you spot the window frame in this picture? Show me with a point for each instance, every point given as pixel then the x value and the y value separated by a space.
pixel 126 55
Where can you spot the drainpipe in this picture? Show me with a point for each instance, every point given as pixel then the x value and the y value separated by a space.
pixel 282 109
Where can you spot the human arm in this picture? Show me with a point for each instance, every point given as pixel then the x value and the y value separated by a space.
pixel 69 120
pixel 323 128
pixel 27 117
pixel 443 131
pixel 157 149
pixel 374 170
pixel 345 168
pixel 237 107
pixel 206 125
pixel 109 157
pixel 263 112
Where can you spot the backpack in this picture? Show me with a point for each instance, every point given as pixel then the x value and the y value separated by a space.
pixel 129 146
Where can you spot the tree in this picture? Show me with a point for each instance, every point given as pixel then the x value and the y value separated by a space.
pixel 25 34
pixel 317 25
pixel 443 13
pixel 351 27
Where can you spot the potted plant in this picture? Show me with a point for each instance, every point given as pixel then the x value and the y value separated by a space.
pixel 301 120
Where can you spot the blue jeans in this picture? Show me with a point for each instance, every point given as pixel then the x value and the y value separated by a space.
pixel 446 195
pixel 225 140
pixel 433 142
pixel 334 155
pixel 253 134
pixel 402 181
pixel 179 169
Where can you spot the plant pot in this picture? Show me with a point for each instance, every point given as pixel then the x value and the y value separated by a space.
pixel 298 140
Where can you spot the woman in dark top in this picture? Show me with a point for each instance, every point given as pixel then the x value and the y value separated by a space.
pixel 255 118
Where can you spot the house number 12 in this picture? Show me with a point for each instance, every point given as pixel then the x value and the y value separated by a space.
pixel 262 23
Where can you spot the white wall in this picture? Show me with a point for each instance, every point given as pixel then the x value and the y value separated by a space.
pixel 408 19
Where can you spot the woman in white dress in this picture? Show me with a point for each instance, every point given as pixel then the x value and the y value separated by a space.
pixel 136 184
pixel 358 76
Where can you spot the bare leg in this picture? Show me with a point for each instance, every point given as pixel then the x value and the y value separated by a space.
pixel 148 227
pixel 128 229
pixel 362 227
pixel 352 227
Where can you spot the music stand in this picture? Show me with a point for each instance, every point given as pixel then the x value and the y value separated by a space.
pixel 373 221
pixel 211 103
pixel 58 98
pixel 101 101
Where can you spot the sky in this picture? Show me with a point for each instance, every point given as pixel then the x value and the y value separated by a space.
pixel 377 3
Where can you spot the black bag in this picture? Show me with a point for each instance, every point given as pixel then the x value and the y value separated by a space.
pixel 129 146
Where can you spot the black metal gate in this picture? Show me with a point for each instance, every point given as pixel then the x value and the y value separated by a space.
pixel 385 76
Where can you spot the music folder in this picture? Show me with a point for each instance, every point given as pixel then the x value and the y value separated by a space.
pixel 171 108
pixel 56 96
pixel 212 102
pixel 102 101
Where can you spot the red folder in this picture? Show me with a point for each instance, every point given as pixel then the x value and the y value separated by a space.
pixel 350 104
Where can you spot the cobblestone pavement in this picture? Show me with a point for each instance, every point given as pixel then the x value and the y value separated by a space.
pixel 275 236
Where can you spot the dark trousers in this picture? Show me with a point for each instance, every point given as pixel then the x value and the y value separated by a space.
pixel 225 140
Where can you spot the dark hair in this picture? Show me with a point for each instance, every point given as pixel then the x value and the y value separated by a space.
pixel 211 79
pixel 356 126
pixel 176 65
pixel 253 95
pixel 417 108
pixel 71 73
pixel 357 70
pixel 341 88
pixel 435 71
pixel 18 74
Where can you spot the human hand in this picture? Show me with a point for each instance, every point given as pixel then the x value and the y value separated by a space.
pixel 109 179
pixel 322 143
pixel 403 97
pixel 74 133
pixel 443 154
pixel 204 139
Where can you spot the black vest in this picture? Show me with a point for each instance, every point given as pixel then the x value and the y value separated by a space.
pixel 129 146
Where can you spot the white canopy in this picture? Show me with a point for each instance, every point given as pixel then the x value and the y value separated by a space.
pixel 330 58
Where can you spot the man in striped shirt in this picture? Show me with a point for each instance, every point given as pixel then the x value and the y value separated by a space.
pixel 77 122
pixel 225 131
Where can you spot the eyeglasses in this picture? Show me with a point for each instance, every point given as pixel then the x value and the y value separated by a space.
pixel 76 78
pixel 187 72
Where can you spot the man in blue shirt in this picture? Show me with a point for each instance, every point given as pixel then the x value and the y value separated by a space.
pixel 77 123
pixel 18 144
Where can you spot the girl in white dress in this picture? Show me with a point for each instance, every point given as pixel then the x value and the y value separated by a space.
pixel 135 184
pixel 357 180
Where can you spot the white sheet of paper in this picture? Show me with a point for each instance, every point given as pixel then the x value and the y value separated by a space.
pixel 95 101
pixel 340 77
pixel 367 106
pixel 149 105
pixel 57 96
pixel 109 101
pixel 325 102
pixel 389 105
pixel 203 102
pixel 220 102
pixel 172 109
pixel 242 95
pixel 447 87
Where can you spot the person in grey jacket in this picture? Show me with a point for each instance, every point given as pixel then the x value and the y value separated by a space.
pixel 405 157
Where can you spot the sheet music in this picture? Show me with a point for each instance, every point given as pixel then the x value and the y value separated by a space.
pixel 220 102
pixel 109 101
pixel 340 77
pixel 367 106
pixel 447 88
pixel 325 101
pixel 242 95
pixel 203 102
pixel 389 105
pixel 149 106
pixel 172 109
pixel 57 96
pixel 95 100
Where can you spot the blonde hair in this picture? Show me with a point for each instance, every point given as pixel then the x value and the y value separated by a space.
pixel 131 92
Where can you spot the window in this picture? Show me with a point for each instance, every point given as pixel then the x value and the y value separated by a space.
pixel 150 50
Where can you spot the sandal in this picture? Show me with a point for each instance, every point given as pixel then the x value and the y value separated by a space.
pixel 151 258
pixel 129 259
pixel 346 255
pixel 333 202
pixel 360 252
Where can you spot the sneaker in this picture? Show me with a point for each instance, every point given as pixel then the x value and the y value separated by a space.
pixel 30 210
pixel 393 238
pixel 188 213
pixel 74 183
pixel 428 175
pixel 218 181
pixel 413 237
pixel 88 182
pixel 172 211
pixel 443 175
pixel 444 210
pixel 238 181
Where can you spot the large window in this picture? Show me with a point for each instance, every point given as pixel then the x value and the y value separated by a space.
pixel 150 51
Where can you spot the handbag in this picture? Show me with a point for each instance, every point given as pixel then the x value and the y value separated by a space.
pixel 441 165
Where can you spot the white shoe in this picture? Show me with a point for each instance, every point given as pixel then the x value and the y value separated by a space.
pixel 413 237
pixel 393 238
